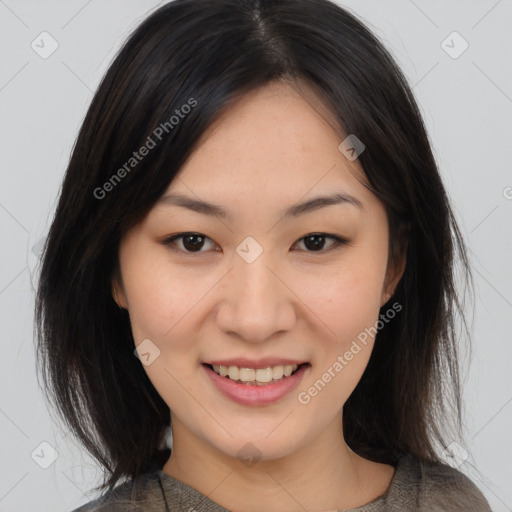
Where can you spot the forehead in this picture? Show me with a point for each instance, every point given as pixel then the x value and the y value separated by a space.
pixel 276 144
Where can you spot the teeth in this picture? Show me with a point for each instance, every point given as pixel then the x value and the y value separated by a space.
pixel 234 372
pixel 255 376
pixel 245 374
pixel 262 375
pixel 277 372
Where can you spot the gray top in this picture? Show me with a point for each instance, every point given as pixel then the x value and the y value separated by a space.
pixel 417 485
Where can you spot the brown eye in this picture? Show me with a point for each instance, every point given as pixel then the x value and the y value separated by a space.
pixel 193 242
pixel 316 242
pixel 190 242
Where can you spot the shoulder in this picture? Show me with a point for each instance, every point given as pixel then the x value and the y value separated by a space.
pixel 438 487
pixel 140 494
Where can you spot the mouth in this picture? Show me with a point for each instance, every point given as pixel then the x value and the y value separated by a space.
pixel 256 376
pixel 255 386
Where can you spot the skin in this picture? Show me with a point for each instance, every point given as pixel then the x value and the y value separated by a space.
pixel 272 149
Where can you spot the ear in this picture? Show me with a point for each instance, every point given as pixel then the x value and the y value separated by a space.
pixel 117 290
pixel 396 267
pixel 394 273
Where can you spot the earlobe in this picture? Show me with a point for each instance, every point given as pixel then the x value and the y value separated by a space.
pixel 385 297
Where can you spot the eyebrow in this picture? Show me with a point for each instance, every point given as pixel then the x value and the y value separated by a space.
pixel 199 206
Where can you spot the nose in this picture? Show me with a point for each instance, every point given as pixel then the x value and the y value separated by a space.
pixel 256 302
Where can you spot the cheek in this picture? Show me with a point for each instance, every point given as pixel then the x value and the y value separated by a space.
pixel 162 304
pixel 348 305
pixel 347 298
pixel 159 295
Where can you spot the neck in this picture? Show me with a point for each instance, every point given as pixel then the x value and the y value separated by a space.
pixel 325 474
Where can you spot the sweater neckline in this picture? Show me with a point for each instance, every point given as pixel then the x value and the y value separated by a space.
pixel 185 496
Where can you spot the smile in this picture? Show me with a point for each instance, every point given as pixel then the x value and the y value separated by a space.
pixel 256 386
pixel 259 376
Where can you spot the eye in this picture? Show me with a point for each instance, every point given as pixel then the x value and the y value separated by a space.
pixel 315 242
pixel 195 242
pixel 189 242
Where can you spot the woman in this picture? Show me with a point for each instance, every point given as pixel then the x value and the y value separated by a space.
pixel 253 247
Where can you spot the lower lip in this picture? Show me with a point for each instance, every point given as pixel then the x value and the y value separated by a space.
pixel 256 395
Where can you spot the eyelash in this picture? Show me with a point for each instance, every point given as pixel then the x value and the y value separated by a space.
pixel 170 242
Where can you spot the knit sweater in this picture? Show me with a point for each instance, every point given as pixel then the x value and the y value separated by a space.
pixel 417 485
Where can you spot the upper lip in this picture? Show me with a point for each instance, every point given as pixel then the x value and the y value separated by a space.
pixel 242 362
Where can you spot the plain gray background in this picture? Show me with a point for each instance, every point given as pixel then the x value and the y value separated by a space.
pixel 466 100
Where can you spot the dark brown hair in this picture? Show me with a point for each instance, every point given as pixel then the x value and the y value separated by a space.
pixel 212 52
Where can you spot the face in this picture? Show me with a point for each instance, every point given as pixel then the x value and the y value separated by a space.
pixel 268 276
